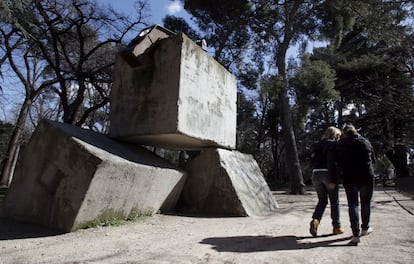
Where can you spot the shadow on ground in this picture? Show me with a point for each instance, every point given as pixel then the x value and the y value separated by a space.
pixel 245 244
pixel 10 229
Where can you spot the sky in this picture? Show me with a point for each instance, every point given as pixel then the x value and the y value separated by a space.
pixel 158 9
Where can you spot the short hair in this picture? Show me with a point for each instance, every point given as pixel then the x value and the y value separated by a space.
pixel 349 130
pixel 332 133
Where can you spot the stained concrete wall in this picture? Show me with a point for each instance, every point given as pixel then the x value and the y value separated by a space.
pixel 224 182
pixel 68 177
pixel 184 100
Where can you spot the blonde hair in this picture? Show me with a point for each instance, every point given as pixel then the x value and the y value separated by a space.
pixel 332 133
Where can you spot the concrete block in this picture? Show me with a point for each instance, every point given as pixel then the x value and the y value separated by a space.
pixel 68 177
pixel 138 51
pixel 183 100
pixel 224 182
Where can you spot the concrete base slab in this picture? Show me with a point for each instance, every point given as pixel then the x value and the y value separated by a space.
pixel 68 178
pixel 224 182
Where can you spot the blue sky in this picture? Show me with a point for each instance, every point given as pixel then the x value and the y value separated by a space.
pixel 158 9
pixel 11 97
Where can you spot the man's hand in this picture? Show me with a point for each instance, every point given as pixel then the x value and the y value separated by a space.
pixel 331 186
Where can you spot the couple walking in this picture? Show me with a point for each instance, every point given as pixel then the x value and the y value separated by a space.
pixel 351 155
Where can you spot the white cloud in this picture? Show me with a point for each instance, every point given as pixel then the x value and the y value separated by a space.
pixel 174 7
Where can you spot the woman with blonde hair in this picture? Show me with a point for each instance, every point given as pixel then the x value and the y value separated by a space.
pixel 325 180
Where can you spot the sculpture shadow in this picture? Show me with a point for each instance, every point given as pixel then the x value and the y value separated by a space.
pixel 246 244
pixel 11 229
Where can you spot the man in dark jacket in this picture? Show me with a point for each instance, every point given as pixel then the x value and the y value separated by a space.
pixel 355 156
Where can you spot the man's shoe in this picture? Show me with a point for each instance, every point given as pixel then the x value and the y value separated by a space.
pixel 314 224
pixel 365 232
pixel 338 230
pixel 354 241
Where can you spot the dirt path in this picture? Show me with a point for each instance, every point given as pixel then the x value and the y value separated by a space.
pixel 280 238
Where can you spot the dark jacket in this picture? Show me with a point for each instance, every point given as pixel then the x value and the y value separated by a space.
pixel 355 156
pixel 323 157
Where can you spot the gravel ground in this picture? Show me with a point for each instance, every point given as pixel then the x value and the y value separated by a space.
pixel 281 238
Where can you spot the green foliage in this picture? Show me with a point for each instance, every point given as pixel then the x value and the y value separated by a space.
pixel 16 13
pixel 379 19
pixel 111 219
pixel 271 85
pixel 347 71
pixel 137 214
pixel 246 124
pixel 373 77
pixel 372 74
pixel 179 25
pixel 368 62
pixel 223 25
pixel 314 83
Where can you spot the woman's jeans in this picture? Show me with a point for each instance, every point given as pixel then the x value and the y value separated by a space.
pixel 320 181
pixel 364 192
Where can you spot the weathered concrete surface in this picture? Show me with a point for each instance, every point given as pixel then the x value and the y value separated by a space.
pixel 184 100
pixel 69 177
pixel 224 182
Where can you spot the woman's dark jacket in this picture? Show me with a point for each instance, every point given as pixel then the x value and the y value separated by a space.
pixel 323 157
pixel 355 156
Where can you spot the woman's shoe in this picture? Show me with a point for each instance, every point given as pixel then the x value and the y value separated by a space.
pixel 338 230
pixel 314 224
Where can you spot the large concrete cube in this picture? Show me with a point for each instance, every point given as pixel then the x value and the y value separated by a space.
pixel 68 178
pixel 184 100
pixel 224 182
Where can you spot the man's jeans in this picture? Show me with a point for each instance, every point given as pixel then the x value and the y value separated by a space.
pixel 364 192
pixel 320 181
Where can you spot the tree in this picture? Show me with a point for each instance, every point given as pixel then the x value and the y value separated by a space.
pixel 281 24
pixel 15 13
pixel 223 26
pixel 383 95
pixel 314 85
pixel 74 38
pixel 272 28
pixel 6 130
pixel 376 77
pixel 68 48
pixel 25 63
pixel 179 25
pixel 373 75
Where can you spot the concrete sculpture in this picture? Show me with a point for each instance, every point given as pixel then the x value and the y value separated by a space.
pixel 167 92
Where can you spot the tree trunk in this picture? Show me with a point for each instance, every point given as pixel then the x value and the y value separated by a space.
pixel 14 144
pixel 291 153
pixel 340 112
